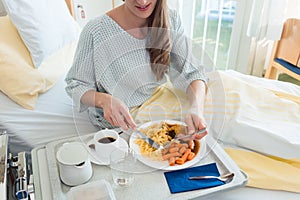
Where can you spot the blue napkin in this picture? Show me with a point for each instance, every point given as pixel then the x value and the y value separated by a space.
pixel 178 180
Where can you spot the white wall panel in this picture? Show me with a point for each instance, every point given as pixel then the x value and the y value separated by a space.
pixel 91 9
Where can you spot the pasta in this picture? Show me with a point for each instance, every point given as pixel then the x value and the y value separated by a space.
pixel 161 133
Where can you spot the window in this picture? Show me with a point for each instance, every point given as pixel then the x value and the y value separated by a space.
pixel 212 30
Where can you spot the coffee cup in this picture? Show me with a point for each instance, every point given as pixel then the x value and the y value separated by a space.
pixel 105 141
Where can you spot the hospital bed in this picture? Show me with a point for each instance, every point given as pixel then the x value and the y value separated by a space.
pixel 246 118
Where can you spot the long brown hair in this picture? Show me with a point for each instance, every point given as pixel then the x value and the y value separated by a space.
pixel 159 45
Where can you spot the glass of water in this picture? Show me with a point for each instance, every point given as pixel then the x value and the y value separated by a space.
pixel 122 165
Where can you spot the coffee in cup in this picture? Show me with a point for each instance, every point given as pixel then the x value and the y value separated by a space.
pixel 105 142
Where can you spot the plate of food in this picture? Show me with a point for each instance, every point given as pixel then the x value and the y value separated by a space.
pixel 178 155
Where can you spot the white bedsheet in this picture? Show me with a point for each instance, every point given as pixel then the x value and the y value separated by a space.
pixel 52 119
pixel 255 117
pixel 270 84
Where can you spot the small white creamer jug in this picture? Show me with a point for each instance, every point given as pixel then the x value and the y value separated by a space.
pixel 74 164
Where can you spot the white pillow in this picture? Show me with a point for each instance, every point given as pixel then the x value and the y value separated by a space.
pixel 44 25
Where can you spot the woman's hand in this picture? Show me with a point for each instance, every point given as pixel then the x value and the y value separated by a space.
pixel 195 122
pixel 117 113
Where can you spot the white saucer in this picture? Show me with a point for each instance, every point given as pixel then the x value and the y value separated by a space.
pixel 105 160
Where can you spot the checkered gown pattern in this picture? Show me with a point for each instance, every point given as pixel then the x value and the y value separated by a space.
pixel 109 59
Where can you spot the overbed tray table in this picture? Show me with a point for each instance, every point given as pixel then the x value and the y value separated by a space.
pixel 150 185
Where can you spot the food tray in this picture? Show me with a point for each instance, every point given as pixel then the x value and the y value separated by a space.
pixel 148 185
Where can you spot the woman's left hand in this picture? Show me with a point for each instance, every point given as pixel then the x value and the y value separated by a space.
pixel 195 122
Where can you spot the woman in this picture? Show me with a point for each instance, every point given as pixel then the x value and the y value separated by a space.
pixel 124 55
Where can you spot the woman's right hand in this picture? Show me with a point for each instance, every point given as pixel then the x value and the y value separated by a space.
pixel 117 113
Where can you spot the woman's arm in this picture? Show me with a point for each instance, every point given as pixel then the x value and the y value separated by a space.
pixel 81 76
pixel 82 86
pixel 194 118
pixel 189 76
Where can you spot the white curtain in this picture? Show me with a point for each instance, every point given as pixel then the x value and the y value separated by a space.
pixel 186 9
pixel 265 27
pixel 2 10
pixel 266 19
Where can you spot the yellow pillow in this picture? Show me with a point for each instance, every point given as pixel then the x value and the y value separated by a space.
pixel 19 80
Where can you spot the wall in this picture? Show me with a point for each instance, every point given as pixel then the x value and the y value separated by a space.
pixel 117 2
pixel 91 9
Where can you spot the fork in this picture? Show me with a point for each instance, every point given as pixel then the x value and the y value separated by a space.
pixel 224 178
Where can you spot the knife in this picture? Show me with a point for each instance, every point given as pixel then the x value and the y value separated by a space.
pixel 148 140
pixel 158 146
pixel 166 145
